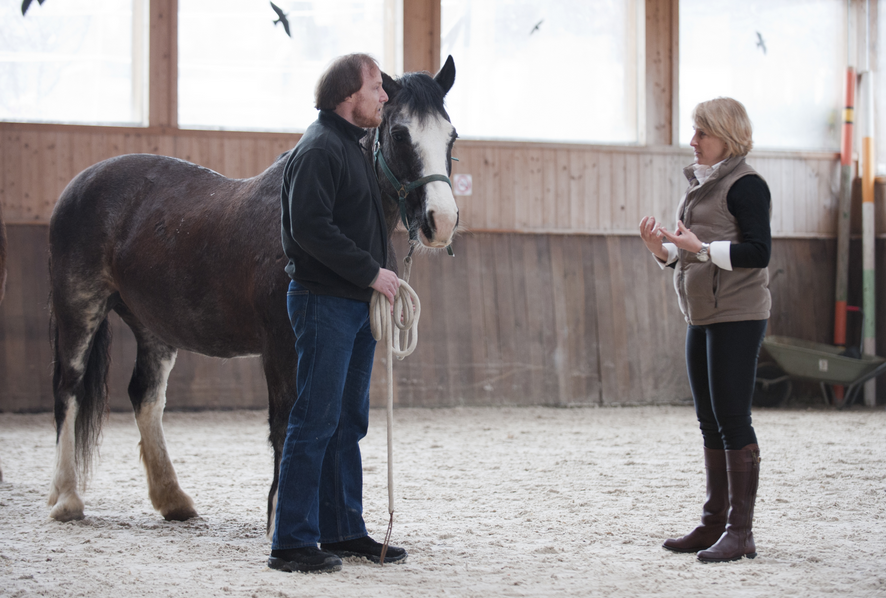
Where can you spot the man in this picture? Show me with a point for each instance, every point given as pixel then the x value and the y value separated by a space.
pixel 335 237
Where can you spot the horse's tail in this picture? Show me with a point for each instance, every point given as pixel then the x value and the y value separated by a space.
pixel 91 394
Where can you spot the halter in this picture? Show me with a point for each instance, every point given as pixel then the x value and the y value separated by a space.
pixel 403 190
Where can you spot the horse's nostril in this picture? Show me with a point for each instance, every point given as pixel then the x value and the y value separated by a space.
pixel 431 220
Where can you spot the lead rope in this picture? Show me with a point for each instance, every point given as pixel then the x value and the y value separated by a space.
pixel 406 312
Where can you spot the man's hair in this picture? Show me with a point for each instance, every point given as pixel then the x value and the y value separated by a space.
pixel 727 119
pixel 342 78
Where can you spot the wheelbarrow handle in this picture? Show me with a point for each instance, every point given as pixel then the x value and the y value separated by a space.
pixel 857 309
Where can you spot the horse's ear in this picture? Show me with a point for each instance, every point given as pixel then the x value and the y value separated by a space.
pixel 446 77
pixel 390 86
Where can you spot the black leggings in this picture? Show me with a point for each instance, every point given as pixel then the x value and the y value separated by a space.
pixel 722 363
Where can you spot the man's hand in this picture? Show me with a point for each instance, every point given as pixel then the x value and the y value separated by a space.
pixel 387 283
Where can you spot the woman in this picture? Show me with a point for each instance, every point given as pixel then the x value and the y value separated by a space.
pixel 720 252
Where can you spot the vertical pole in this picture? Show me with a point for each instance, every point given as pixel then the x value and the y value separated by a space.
pixel 844 211
pixel 867 214
pixel 868 239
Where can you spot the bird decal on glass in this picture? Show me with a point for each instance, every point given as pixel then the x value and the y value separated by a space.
pixel 281 18
pixel 27 3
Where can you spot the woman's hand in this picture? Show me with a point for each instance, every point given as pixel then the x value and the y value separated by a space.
pixel 652 236
pixel 683 238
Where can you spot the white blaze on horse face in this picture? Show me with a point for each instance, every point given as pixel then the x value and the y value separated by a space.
pixel 431 140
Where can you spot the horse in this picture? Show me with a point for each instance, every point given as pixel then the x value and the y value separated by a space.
pixel 190 259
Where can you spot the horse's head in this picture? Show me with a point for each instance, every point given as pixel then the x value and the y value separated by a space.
pixel 415 143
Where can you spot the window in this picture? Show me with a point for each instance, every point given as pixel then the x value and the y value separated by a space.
pixel 239 70
pixel 785 60
pixel 74 61
pixel 560 70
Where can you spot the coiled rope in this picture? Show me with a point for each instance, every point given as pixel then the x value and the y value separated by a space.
pixel 405 316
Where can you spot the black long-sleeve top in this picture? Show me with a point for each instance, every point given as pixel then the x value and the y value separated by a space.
pixel 749 200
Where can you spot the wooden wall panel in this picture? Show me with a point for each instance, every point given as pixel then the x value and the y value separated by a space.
pixel 25 360
pixel 577 319
pixel 607 190
pixel 513 319
pixel 39 161
pixel 517 187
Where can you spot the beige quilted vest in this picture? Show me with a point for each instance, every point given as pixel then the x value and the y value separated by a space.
pixel 707 293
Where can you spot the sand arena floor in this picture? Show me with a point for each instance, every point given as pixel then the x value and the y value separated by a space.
pixel 490 502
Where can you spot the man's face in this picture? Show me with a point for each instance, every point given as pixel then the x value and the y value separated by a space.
pixel 370 99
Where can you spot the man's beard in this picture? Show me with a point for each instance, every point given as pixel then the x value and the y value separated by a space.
pixel 367 119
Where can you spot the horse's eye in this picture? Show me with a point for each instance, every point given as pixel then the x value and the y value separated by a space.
pixel 397 136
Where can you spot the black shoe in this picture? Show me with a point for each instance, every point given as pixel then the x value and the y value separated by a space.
pixel 367 548
pixel 309 559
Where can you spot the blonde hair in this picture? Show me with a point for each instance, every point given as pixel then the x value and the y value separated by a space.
pixel 726 119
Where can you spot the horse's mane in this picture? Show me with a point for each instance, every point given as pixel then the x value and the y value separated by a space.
pixel 421 95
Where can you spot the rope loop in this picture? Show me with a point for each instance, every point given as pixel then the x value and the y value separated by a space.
pixel 405 316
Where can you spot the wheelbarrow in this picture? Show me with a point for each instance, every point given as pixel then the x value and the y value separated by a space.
pixel 828 365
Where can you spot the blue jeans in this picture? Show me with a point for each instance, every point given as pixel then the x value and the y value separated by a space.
pixel 320 492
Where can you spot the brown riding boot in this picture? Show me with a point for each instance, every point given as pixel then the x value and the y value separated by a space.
pixel 743 469
pixel 713 514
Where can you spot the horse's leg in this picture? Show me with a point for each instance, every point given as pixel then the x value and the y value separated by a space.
pixel 63 496
pixel 147 392
pixel 280 366
pixel 81 343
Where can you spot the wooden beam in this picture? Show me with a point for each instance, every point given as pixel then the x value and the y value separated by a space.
pixel 660 71
pixel 421 35
pixel 163 64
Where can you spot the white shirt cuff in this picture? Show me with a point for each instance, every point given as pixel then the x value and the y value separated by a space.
pixel 672 255
pixel 720 254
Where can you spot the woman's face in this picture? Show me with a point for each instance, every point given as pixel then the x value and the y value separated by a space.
pixel 708 149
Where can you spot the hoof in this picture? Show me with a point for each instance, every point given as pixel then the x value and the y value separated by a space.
pixel 67 509
pixel 174 505
pixel 180 514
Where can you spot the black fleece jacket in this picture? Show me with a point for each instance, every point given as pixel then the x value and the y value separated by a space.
pixel 334 231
